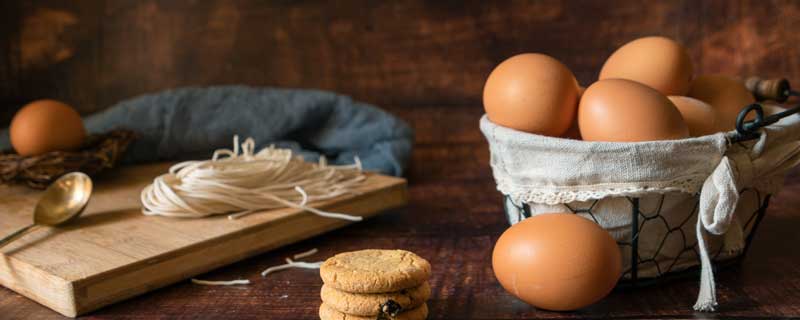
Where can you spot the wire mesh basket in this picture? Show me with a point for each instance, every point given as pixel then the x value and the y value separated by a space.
pixel 648 224
pixel 656 232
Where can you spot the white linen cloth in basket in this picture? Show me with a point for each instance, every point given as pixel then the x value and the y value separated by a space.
pixel 549 173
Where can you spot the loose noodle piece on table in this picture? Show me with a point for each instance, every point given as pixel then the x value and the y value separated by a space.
pixel 221 283
pixel 292 264
pixel 246 182
pixel 305 254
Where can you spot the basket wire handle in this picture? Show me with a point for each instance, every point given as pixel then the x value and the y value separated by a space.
pixel 776 89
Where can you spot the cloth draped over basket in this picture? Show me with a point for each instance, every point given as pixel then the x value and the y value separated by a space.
pixel 545 172
pixel 192 122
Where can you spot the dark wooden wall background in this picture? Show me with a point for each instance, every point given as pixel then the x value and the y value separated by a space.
pixel 397 55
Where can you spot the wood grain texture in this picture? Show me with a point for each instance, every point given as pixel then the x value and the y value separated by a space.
pixel 454 225
pixel 425 62
pixel 113 252
pixel 93 53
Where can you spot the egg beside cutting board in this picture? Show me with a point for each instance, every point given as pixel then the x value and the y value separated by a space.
pixel 46 125
pixel 622 110
pixel 532 92
pixel 658 62
pixel 557 261
pixel 726 95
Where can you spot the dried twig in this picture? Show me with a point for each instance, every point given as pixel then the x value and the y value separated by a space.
pixel 98 153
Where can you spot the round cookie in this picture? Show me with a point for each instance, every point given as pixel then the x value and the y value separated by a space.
pixel 326 312
pixel 375 271
pixel 368 304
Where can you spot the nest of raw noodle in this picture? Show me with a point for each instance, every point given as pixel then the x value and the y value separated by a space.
pixel 99 152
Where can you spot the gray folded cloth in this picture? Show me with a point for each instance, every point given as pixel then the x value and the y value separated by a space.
pixel 190 123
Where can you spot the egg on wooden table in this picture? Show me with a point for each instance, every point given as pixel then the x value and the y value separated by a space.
pixel 532 92
pixel 557 261
pixel 46 125
pixel 727 95
pixel 622 110
pixel 658 62
pixel 699 116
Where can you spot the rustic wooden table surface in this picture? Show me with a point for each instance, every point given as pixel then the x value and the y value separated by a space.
pixel 425 62
pixel 453 219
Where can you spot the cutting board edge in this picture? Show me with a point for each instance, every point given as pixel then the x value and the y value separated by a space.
pixel 248 230
pixel 397 192
pixel 62 299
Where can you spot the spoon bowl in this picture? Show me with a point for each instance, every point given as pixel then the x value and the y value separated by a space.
pixel 61 202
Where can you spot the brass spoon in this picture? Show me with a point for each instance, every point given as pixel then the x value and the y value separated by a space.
pixel 61 202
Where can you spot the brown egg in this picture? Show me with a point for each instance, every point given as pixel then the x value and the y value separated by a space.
pixel 531 92
pixel 573 132
pixel 46 125
pixel 557 261
pixel 658 62
pixel 627 111
pixel 727 95
pixel 699 116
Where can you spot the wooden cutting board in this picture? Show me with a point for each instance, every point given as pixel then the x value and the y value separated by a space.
pixel 113 252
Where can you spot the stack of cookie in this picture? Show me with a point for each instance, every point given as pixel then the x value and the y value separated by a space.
pixel 375 284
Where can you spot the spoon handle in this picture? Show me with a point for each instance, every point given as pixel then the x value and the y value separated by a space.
pixel 15 235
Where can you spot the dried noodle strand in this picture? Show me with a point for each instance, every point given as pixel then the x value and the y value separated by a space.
pixel 221 283
pixel 292 264
pixel 305 254
pixel 242 181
